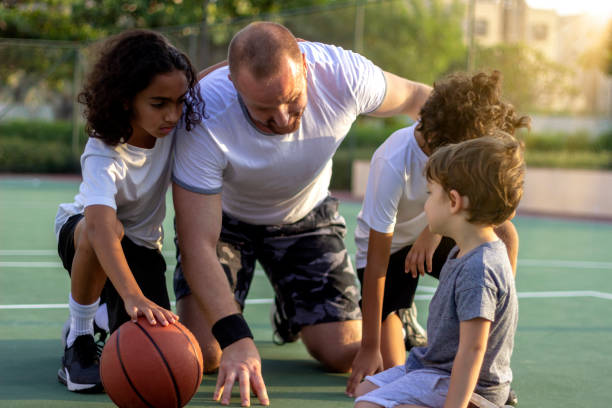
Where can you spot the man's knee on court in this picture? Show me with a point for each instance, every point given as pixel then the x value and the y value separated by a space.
pixel 333 344
pixel 212 357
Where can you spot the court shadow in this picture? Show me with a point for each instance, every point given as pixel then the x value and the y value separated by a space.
pixel 28 371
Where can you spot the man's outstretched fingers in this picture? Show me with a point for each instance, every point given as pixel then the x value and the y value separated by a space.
pixel 219 385
pixel 245 387
pixel 259 387
pixel 228 384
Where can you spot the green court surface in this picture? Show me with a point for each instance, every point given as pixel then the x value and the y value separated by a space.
pixel 563 348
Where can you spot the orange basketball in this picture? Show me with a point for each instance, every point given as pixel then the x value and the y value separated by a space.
pixel 151 366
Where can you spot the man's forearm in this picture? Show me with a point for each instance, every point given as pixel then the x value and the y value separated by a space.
pixel 208 283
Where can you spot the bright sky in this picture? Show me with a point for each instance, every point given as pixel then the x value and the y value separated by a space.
pixel 599 8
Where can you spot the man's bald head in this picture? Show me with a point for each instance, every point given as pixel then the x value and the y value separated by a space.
pixel 262 48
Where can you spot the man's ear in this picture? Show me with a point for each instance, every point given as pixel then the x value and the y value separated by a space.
pixel 304 64
pixel 457 201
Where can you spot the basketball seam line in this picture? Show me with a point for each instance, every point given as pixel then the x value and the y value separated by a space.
pixel 126 374
pixel 176 389
pixel 200 369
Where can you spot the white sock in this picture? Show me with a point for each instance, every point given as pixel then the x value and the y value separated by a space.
pixel 81 319
pixel 101 318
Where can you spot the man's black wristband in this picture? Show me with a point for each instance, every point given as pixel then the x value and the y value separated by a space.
pixel 231 329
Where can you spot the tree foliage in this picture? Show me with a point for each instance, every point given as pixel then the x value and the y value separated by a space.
pixel 531 81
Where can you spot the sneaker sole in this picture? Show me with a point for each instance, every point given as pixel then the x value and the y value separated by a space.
pixel 64 378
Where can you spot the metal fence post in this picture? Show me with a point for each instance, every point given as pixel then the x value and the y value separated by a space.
pixel 75 103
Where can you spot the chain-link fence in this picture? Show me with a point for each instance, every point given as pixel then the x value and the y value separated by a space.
pixel 40 80
pixel 41 124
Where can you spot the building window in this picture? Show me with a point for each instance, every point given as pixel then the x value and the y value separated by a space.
pixel 481 27
pixel 539 32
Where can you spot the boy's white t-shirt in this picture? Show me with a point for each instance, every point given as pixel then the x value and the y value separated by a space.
pixel 277 179
pixel 395 194
pixel 131 180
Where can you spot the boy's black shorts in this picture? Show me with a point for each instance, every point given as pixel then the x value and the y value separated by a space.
pixel 400 286
pixel 147 265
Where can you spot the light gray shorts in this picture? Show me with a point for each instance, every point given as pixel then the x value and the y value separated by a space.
pixel 427 387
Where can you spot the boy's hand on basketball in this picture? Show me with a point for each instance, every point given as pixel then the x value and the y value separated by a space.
pixel 139 305
pixel 420 257
pixel 366 362
pixel 240 362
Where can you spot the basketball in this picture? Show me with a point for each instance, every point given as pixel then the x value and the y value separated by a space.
pixel 151 366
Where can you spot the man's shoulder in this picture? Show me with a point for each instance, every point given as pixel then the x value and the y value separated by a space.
pixel 218 92
pixel 326 56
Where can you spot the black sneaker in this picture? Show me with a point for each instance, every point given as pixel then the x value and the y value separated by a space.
pixel 80 370
pixel 280 326
pixel 414 334
pixel 100 335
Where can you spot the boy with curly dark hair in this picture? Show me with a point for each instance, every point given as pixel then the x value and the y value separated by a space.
pixel 394 243
pixel 472 187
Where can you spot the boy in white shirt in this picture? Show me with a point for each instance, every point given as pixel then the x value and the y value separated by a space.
pixel 393 242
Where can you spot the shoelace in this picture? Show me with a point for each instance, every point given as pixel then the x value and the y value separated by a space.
pixel 100 341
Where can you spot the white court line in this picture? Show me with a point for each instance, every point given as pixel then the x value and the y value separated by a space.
pixel 538 263
pixel 541 295
pixel 65 305
pixel 47 252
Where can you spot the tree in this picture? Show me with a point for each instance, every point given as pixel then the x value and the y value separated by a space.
pixel 530 79
pixel 419 39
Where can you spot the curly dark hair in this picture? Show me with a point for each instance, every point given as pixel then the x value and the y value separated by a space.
pixel 127 64
pixel 463 107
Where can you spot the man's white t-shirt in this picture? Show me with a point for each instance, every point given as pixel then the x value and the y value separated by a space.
pixel 395 194
pixel 271 179
pixel 131 180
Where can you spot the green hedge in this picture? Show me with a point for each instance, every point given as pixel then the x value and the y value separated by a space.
pixel 38 147
pixel 45 147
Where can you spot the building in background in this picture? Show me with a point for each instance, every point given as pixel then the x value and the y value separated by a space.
pixel 561 39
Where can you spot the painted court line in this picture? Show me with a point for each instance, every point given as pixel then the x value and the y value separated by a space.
pixel 521 295
pixel 537 263
pixel 523 262
pixel 65 305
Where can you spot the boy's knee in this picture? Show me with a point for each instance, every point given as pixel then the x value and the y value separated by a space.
pixel 363 388
pixel 82 231
pixel 366 404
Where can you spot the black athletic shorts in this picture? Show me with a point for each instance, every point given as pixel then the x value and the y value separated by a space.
pixel 306 262
pixel 147 265
pixel 400 286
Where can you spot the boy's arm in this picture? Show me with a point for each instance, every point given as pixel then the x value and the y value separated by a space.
pixel 420 257
pixel 368 359
pixel 509 236
pixel 103 232
pixel 473 335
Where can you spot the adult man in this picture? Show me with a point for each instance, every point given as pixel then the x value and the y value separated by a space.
pixel 273 125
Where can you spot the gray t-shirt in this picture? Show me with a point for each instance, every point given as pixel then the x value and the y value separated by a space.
pixel 479 284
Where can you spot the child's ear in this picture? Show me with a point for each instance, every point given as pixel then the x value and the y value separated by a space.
pixel 457 201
